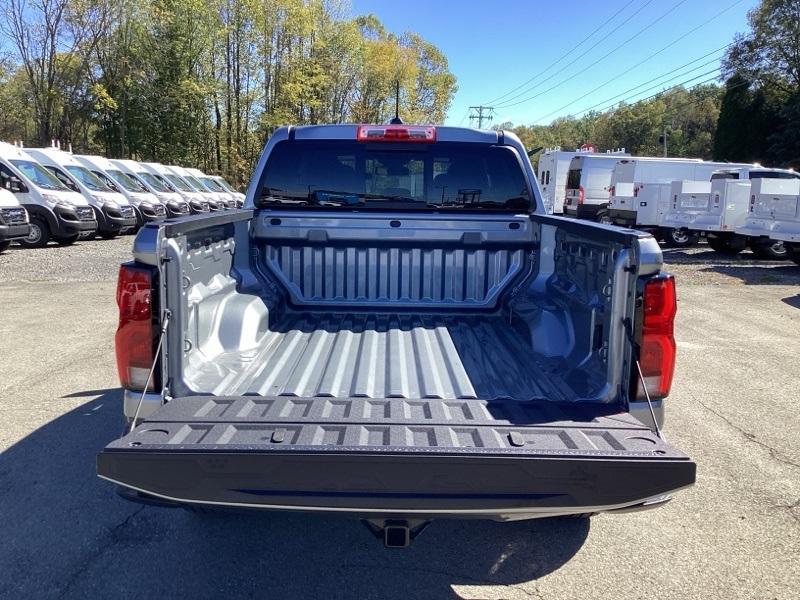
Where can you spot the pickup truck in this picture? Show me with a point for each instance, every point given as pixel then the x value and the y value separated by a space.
pixel 395 330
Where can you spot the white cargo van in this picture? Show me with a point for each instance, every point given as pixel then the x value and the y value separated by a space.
pixel 553 167
pixel 55 211
pixel 774 213
pixel 727 209
pixel 237 196
pixel 112 210
pixel 197 202
pixel 213 187
pixel 13 220
pixel 588 184
pixel 174 202
pixel 212 199
pixel 147 206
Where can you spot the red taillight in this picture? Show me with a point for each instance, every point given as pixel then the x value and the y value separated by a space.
pixel 657 352
pixel 135 333
pixel 396 133
pixel 581 194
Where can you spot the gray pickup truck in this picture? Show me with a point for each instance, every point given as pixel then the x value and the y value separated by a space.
pixel 395 330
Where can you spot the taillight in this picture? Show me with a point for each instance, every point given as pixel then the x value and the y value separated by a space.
pixel 657 349
pixel 581 194
pixel 396 133
pixel 136 333
pixel 612 190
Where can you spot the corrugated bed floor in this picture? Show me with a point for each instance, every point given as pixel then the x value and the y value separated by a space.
pixel 388 356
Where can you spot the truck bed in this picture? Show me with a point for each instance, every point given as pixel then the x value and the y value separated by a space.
pixel 384 355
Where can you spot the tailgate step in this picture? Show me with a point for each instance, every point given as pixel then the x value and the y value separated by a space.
pixel 395 455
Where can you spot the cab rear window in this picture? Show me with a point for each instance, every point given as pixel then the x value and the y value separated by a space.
pixel 355 175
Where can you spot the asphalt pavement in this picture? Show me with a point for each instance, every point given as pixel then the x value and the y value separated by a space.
pixel 735 408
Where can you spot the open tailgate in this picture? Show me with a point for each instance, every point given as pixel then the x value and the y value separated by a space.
pixel 396 456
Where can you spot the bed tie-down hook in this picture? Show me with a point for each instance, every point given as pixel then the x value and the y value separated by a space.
pixel 164 324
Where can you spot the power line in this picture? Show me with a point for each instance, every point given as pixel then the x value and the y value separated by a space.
pixel 481 113
pixel 654 54
pixel 705 64
pixel 563 56
pixel 599 60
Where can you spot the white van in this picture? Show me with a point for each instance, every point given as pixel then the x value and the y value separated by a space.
pixel 588 184
pixel 147 206
pixel 214 201
pixel 13 220
pixel 112 210
pixel 237 196
pixel 198 203
pixel 553 167
pixel 174 202
pixel 213 187
pixel 774 213
pixel 55 212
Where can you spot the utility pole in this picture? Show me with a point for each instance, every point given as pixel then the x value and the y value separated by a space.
pixel 662 139
pixel 481 114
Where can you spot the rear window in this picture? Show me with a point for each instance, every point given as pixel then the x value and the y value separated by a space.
pixel 574 179
pixel 727 175
pixel 773 175
pixel 351 174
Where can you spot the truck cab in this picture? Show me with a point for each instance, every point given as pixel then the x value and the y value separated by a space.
pixel 393 329
pixel 175 204
pixel 55 211
pixel 13 220
pixel 112 210
pixel 147 207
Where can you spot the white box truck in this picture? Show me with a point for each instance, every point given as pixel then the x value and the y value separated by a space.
pixel 55 211
pixel 552 174
pixel 774 214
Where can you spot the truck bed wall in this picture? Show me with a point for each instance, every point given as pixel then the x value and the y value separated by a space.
pixel 564 288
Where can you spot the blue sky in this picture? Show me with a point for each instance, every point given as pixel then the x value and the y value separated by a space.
pixel 494 47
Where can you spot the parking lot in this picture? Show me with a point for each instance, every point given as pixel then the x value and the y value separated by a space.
pixel 733 408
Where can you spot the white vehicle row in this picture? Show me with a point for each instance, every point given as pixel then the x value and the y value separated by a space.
pixel 733 205
pixel 51 194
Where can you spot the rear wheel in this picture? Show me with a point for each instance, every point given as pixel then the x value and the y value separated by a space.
pixel 39 234
pixel 4 246
pixel 67 240
pixel 681 238
pixel 723 246
pixel 770 250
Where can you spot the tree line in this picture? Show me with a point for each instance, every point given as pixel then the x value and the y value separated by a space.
pixel 204 82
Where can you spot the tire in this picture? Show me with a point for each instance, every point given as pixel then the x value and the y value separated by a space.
pixel 66 241
pixel 723 246
pixel 39 234
pixel 604 218
pixel 771 250
pixel 4 246
pixel 681 238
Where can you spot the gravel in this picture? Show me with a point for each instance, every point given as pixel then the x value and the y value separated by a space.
pixel 92 260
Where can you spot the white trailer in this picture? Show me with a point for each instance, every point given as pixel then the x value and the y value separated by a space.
pixel 552 172
pixel 774 214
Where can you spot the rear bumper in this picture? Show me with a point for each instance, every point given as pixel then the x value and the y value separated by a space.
pixel 584 211
pixel 467 459
pixel 619 216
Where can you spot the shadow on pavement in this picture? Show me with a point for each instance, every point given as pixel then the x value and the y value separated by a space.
pixel 793 301
pixel 66 534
